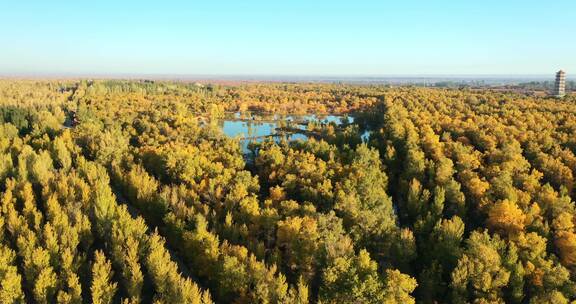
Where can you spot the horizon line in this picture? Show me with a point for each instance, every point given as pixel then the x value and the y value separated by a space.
pixel 271 76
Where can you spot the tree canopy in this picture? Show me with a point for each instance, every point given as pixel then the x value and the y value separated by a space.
pixel 116 191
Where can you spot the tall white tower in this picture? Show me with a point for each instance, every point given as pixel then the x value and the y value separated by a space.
pixel 560 84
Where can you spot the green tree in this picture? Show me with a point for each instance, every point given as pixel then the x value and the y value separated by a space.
pixel 103 288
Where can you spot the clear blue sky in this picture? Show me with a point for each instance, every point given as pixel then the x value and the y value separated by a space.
pixel 288 37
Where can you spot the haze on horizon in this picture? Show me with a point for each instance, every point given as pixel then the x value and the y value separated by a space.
pixel 294 38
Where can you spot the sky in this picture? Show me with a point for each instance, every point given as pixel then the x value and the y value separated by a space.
pixel 346 38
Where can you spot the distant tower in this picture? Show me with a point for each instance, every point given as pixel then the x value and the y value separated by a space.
pixel 560 84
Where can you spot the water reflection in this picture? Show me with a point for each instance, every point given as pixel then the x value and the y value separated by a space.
pixel 365 136
pixel 257 128
pixel 242 129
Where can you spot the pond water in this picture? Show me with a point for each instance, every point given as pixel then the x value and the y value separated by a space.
pixel 239 128
pixel 338 119
pixel 257 129
pixel 365 136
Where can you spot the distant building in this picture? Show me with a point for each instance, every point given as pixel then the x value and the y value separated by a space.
pixel 560 84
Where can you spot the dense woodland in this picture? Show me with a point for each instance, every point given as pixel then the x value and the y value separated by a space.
pixel 129 192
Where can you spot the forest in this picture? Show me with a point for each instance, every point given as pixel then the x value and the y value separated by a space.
pixel 127 191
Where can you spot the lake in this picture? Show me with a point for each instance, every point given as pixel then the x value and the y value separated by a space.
pixel 257 128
